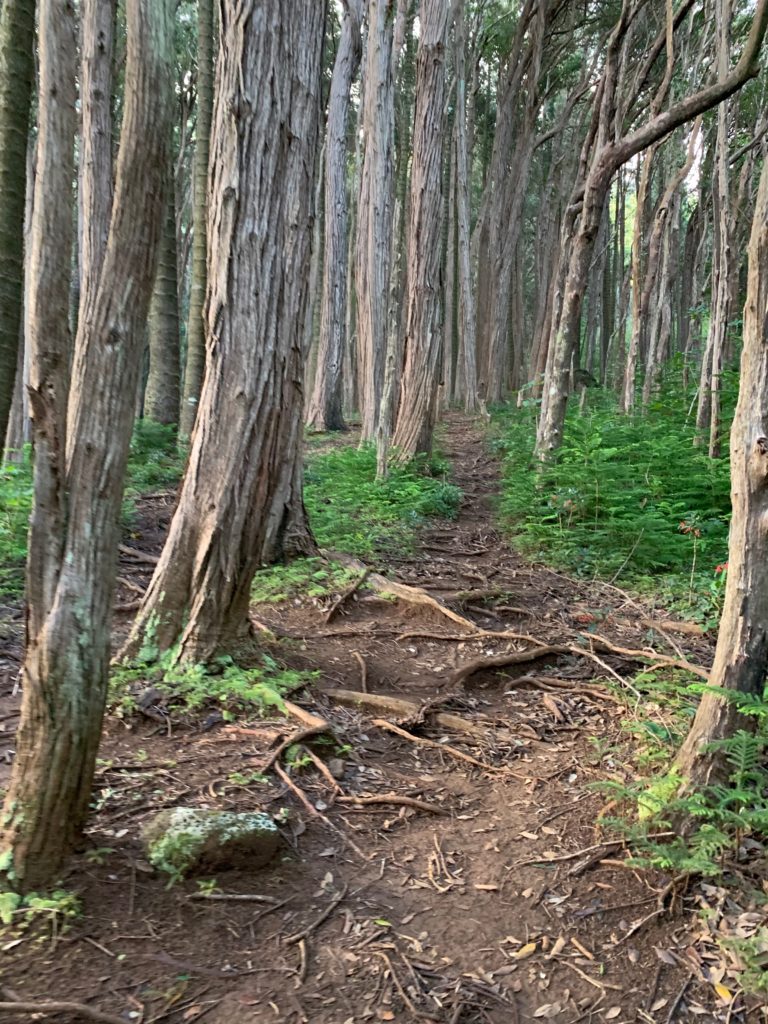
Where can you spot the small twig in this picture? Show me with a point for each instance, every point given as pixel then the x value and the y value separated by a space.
pixel 322 767
pixel 613 844
pixel 346 594
pixel 635 655
pixel 382 723
pixel 363 671
pixel 320 919
pixel 62 1007
pixel 602 985
pixel 233 897
pixel 394 798
pixel 678 999
pixel 297 791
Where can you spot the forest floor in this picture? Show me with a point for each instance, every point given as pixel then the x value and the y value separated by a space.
pixel 498 900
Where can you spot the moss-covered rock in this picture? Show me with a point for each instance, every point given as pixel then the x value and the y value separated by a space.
pixel 189 840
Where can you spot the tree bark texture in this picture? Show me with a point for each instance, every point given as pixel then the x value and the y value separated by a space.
pixel 418 388
pixel 194 367
pixel 161 397
pixel 742 642
pixel 373 255
pixel 241 501
pixel 326 404
pixel 17 63
pixel 81 440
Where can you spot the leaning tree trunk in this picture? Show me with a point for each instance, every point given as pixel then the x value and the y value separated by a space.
pixel 81 444
pixel 241 503
pixel 195 365
pixel 418 387
pixel 742 642
pixel 326 405
pixel 608 154
pixel 161 397
pixel 17 63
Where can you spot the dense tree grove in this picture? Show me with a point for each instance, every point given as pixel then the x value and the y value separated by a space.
pixel 250 221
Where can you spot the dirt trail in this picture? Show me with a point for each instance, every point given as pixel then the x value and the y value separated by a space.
pixel 444 916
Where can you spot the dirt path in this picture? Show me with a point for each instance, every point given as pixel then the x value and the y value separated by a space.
pixel 433 916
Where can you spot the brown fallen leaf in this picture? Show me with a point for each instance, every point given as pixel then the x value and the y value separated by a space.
pixel 613 1013
pixel 527 950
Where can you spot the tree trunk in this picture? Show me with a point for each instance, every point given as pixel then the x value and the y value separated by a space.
pixel 82 449
pixel 241 502
pixel 468 343
pixel 742 642
pixel 325 407
pixel 17 64
pixel 194 368
pixel 418 388
pixel 374 213
pixel 161 396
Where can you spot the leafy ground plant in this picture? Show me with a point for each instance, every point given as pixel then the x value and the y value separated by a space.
pixel 630 498
pixel 349 510
pixel 300 580
pixel 225 686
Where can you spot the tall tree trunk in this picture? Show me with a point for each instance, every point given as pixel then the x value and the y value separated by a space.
pixel 161 396
pixel 194 368
pixel 81 444
pixel 418 388
pixel 468 343
pixel 241 502
pixel 742 641
pixel 325 407
pixel 17 63
pixel 374 212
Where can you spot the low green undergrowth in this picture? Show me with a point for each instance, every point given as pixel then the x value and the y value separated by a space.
pixel 155 463
pixel 725 837
pixel 349 510
pixel 300 580
pixel 629 498
pixel 224 686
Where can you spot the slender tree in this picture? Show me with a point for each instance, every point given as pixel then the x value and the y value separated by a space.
pixel 195 364
pixel 161 397
pixel 418 389
pixel 17 32
pixel 81 436
pixel 325 407
pixel 742 641
pixel 241 501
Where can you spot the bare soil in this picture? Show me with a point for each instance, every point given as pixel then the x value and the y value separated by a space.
pixel 500 901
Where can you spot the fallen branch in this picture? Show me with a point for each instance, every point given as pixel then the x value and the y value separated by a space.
pixel 395 798
pixel 80 1009
pixel 459 755
pixel 135 587
pixel 635 655
pixel 610 844
pixel 346 594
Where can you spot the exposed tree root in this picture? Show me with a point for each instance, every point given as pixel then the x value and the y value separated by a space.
pixel 502 660
pixel 459 755
pixel 139 556
pixel 636 655
pixel 314 726
pixel 406 711
pixel 346 595
pixel 79 1009
pixel 395 798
